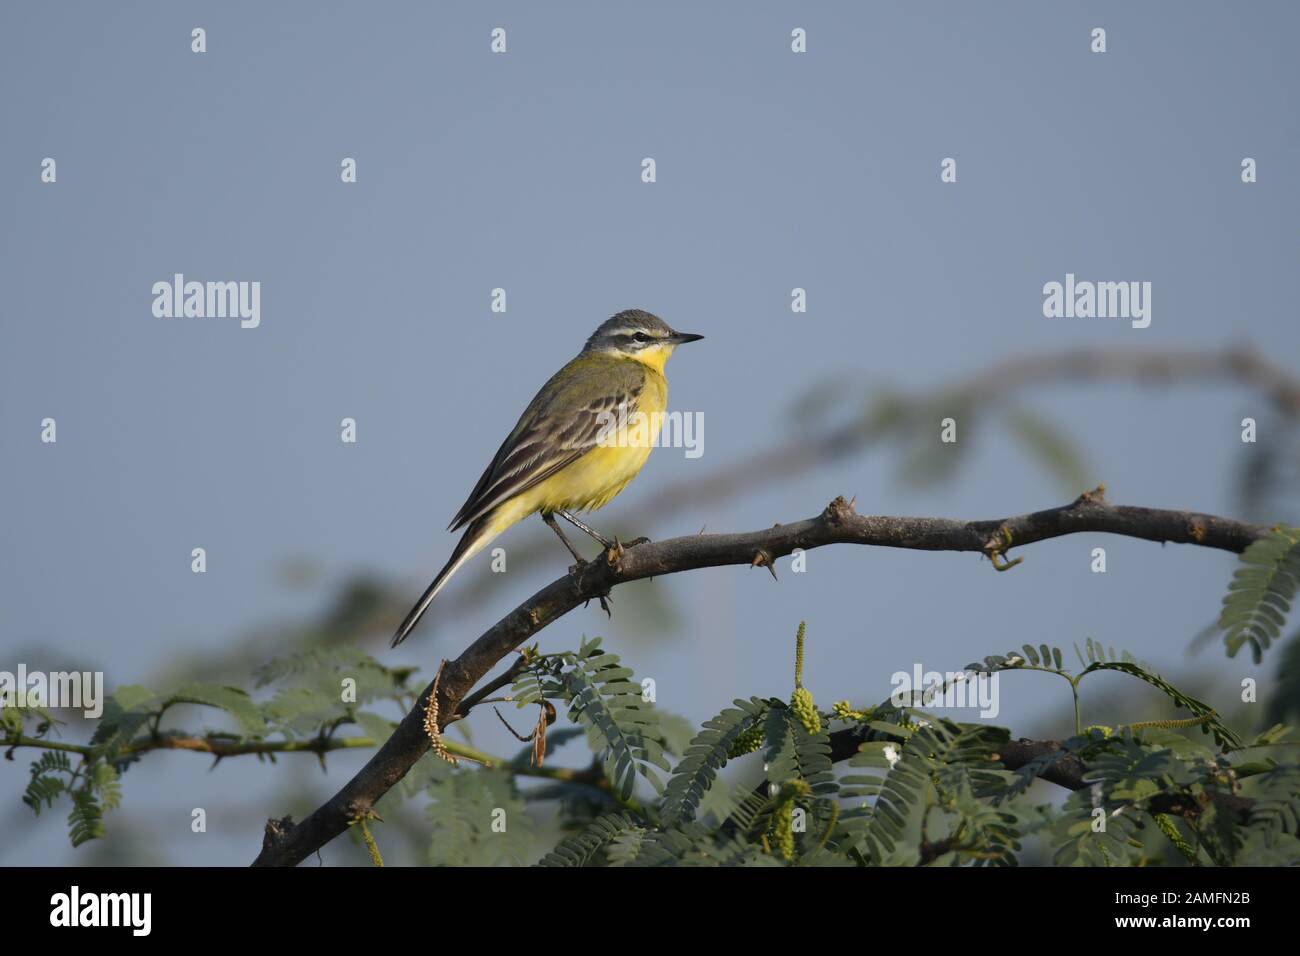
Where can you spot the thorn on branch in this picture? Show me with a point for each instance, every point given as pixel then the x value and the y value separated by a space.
pixel 764 560
pixel 604 600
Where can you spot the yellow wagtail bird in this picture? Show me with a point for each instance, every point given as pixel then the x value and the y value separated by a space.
pixel 576 445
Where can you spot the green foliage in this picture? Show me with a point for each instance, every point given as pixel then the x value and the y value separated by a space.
pixel 295 711
pixel 582 848
pixel 1101 823
pixel 914 789
pixel 706 754
pixel 30 719
pixel 48 783
pixel 1209 721
pixel 126 711
pixel 1047 657
pixel 1024 776
pixel 932 772
pixel 308 701
pixel 1087 836
pixel 790 752
pixel 931 791
pixel 1285 700
pixel 86 820
pixel 893 802
pixel 1260 594
pixel 478 818
pixel 1098 654
pixel 733 841
pixel 232 700
pixel 320 687
pixel 1099 658
pixel 622 728
pixel 1275 816
pixel 93 787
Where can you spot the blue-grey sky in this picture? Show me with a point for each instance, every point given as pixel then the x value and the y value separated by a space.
pixel 775 170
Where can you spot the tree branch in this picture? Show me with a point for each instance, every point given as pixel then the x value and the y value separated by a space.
pixel 221 746
pixel 218 745
pixel 288 845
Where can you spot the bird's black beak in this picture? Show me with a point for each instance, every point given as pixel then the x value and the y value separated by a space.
pixel 681 338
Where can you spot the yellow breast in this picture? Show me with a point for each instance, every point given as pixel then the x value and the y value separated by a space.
pixel 593 480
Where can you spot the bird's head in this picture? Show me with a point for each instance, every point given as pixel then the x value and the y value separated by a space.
pixel 640 336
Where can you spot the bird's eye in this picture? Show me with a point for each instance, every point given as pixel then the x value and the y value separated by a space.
pixel 640 337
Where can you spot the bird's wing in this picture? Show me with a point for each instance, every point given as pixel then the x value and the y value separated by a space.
pixel 563 422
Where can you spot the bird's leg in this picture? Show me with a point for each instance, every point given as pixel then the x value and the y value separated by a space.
pixel 551 523
pixel 549 518
pixel 567 516
pixel 614 548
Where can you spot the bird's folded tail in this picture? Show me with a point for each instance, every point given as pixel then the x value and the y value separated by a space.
pixel 475 538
